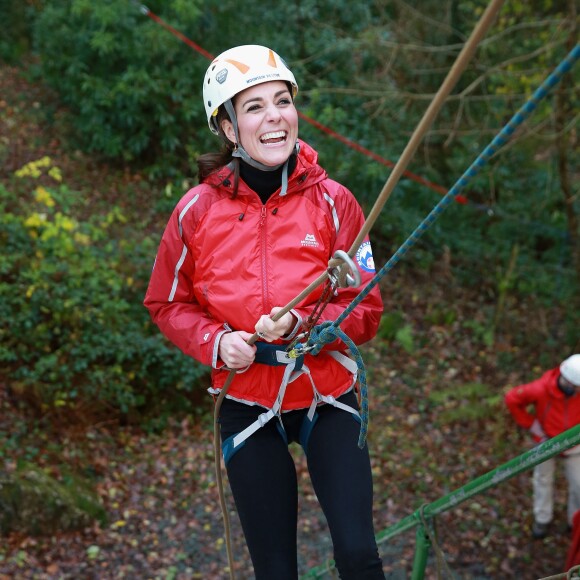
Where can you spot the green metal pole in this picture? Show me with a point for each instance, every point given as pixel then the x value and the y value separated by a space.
pixel 514 467
pixel 422 546
pixel 523 462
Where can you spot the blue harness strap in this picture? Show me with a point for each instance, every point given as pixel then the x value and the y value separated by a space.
pixel 274 355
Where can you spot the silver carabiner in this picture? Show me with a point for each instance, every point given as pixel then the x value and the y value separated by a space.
pixel 346 274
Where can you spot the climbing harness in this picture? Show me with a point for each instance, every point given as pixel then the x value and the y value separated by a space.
pixel 265 354
pixel 273 355
pixel 292 357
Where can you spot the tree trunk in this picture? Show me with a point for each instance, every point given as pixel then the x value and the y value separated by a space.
pixel 565 143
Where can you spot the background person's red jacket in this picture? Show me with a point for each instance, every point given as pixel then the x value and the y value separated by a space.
pixel 555 412
pixel 573 557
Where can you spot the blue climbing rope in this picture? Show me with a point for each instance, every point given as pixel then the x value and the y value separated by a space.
pixel 328 332
pixel 330 329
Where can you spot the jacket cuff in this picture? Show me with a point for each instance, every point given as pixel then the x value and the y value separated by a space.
pixel 217 362
pixel 290 336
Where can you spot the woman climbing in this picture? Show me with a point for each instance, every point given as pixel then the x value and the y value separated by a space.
pixel 263 223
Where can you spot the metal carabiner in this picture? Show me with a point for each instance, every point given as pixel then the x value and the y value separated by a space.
pixel 299 350
pixel 345 275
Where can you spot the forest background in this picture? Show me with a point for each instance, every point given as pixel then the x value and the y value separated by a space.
pixel 106 430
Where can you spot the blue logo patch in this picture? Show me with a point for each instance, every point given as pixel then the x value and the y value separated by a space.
pixel 364 257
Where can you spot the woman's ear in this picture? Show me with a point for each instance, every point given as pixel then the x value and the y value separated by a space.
pixel 228 129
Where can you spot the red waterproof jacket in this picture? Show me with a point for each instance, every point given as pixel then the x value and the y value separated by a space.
pixel 555 412
pixel 224 262
pixel 573 555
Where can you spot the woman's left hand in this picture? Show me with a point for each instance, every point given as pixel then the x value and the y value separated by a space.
pixel 269 330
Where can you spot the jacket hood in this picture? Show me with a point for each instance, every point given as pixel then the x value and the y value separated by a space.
pixel 306 173
pixel 552 376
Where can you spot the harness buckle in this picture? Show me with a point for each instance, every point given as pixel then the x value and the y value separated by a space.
pixel 299 350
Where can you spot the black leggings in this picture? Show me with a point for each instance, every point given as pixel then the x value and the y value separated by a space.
pixel 262 477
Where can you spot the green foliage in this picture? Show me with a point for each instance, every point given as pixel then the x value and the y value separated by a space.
pixel 34 503
pixel 482 332
pixel 404 337
pixel 470 402
pixel 394 328
pixel 439 315
pixel 131 86
pixel 17 19
pixel 72 289
pixel 391 323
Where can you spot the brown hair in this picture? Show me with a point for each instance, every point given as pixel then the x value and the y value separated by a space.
pixel 208 163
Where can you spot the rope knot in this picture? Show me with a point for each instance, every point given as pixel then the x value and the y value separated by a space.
pixel 320 335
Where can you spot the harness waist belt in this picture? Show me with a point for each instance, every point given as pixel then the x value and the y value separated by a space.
pixel 274 355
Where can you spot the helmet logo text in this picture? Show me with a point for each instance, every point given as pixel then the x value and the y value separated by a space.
pixel 263 77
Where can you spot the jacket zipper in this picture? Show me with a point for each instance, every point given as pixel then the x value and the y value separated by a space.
pixel 263 252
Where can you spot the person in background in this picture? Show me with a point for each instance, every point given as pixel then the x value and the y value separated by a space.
pixel 555 402
pixel 263 223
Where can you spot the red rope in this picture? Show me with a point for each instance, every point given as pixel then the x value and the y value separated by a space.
pixel 417 178
pixel 438 188
pixel 177 33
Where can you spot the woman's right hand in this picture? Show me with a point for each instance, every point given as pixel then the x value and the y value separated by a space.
pixel 235 351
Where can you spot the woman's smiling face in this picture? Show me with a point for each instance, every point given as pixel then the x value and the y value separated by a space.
pixel 267 122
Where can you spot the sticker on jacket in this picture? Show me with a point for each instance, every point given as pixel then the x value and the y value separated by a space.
pixel 364 257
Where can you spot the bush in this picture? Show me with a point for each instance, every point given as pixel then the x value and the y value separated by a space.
pixel 134 89
pixel 17 19
pixel 79 337
pixel 32 502
pixel 471 402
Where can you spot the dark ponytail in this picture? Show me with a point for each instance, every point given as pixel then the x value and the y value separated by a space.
pixel 209 163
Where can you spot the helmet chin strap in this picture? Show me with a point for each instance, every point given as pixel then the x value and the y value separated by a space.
pixel 240 152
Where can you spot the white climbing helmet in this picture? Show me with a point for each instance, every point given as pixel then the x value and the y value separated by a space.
pixel 570 369
pixel 237 69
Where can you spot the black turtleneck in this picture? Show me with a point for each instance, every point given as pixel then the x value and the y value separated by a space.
pixel 265 183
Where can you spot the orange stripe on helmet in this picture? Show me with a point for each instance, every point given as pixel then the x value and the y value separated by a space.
pixel 243 68
pixel 272 59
